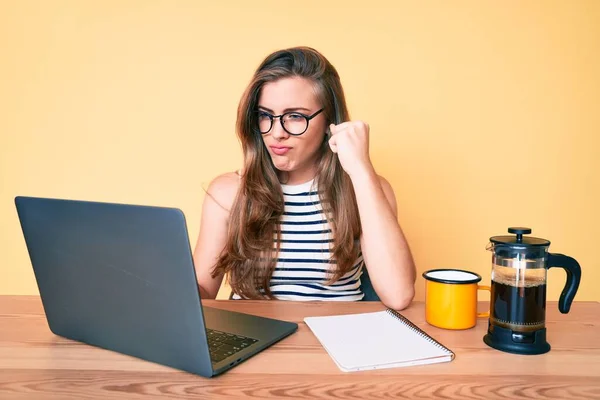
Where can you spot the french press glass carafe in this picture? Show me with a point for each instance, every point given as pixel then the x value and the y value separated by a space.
pixel 517 321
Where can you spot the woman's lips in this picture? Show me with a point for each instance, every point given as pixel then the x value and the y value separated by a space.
pixel 280 150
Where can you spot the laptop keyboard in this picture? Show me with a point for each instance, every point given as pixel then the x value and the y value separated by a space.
pixel 223 345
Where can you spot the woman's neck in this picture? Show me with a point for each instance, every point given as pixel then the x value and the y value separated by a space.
pixel 298 177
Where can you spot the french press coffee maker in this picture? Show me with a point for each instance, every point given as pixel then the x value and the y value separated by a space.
pixel 518 299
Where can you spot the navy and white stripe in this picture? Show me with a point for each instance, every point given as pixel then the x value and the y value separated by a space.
pixel 304 256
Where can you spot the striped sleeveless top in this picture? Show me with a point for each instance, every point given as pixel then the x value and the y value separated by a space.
pixel 303 260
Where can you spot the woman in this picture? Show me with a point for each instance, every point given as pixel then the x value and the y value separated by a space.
pixel 307 212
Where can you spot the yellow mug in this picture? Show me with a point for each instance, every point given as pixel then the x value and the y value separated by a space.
pixel 451 298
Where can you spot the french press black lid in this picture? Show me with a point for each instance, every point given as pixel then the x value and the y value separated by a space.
pixel 517 245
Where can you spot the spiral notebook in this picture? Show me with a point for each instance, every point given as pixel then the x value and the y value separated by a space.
pixel 376 340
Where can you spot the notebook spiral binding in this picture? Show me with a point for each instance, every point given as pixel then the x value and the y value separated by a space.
pixel 418 330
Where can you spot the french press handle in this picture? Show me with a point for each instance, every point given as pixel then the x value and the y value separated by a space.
pixel 573 271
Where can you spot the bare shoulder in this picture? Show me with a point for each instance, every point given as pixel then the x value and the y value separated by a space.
pixel 385 184
pixel 223 189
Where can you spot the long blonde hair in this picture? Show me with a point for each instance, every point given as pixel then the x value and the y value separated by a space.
pixel 249 256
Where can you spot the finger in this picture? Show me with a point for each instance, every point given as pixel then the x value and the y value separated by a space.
pixel 338 129
pixel 354 126
pixel 344 125
pixel 333 144
pixel 332 129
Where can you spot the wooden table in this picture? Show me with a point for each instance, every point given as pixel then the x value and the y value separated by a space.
pixel 36 364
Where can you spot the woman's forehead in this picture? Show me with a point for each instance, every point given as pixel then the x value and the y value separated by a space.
pixel 288 93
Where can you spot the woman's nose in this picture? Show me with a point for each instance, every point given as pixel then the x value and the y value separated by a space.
pixel 277 131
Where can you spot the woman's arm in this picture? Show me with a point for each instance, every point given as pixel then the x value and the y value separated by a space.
pixel 213 232
pixel 386 253
pixel 384 247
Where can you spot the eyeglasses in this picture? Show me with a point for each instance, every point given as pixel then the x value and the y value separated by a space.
pixel 293 122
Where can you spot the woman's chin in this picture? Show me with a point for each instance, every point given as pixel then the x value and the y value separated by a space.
pixel 282 165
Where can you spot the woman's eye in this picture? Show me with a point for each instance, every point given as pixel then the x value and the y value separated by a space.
pixel 295 116
pixel 263 116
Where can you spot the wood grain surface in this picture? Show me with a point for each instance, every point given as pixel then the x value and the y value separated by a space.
pixel 36 364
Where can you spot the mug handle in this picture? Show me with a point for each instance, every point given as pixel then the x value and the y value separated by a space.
pixel 489 289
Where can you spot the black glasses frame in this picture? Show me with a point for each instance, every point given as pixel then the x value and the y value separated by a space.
pixel 272 117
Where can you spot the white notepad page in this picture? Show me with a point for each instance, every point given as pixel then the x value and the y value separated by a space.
pixel 375 340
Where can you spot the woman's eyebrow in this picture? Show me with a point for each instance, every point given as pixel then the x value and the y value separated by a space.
pixel 286 110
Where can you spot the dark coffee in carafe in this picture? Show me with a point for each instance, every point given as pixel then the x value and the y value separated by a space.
pixel 518 305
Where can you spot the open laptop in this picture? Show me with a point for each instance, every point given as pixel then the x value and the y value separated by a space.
pixel 121 277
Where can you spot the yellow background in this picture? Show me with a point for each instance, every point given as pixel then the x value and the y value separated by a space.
pixel 483 115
